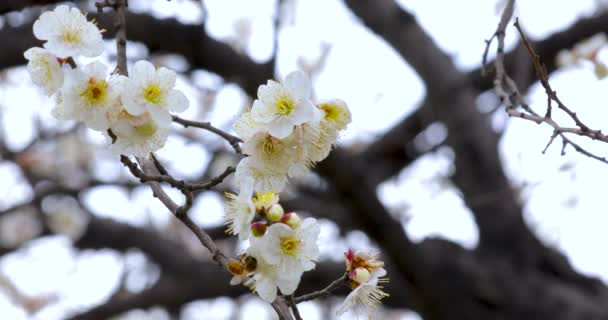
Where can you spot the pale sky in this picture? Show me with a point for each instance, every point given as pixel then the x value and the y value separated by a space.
pixel 563 193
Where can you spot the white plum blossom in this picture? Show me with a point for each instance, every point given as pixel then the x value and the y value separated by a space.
pixel 365 276
pixel 367 295
pixel 44 69
pixel 266 179
pixel 87 96
pixel 150 90
pixel 240 210
pixel 267 277
pixel 292 250
pixel 136 135
pixel 335 114
pixel 68 33
pixel 280 107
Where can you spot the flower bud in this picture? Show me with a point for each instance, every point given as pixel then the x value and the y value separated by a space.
pixel 235 267
pixel 250 264
pixel 258 228
pixel 360 275
pixel 291 219
pixel 275 213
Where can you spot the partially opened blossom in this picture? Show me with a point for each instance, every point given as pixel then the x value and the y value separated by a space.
pixel 336 114
pixel 280 107
pixel 151 90
pixel 44 69
pixel 87 96
pixel 365 278
pixel 240 210
pixel 68 33
pixel 366 295
pixel 136 135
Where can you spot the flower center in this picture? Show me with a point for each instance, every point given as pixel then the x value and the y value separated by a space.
pixel 284 106
pixel 71 36
pixel 152 94
pixel 331 113
pixel 290 246
pixel 270 145
pixel 95 91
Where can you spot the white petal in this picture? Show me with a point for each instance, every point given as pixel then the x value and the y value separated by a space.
pixel 262 112
pixel 281 128
pixel 143 72
pixel 303 112
pixel 177 101
pixel 270 92
pixel 166 78
pixel 289 285
pixel 298 84
pixel 161 117
pixel 96 70
pixel 266 289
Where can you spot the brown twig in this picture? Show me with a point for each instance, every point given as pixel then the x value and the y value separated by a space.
pixel 233 140
pixel 509 94
pixel 323 292
pixel 294 307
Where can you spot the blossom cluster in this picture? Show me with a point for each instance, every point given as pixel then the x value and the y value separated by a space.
pixel 285 134
pixel 133 112
pixel 587 50
pixel 282 245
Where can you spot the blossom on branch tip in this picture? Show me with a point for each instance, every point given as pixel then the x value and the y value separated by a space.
pixel 150 90
pixel 365 276
pixel 87 96
pixel 280 107
pixel 68 33
pixel 44 69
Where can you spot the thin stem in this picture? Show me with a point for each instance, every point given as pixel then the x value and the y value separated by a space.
pixel 323 292
pixel 233 140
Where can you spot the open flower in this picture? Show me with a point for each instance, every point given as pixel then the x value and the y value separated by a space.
pixel 136 135
pixel 68 33
pixel 280 107
pixel 87 96
pixel 44 69
pixel 151 90
pixel 240 210
pixel 335 114
pixel 365 276
pixel 292 250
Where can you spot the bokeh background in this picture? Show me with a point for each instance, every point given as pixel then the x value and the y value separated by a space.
pixel 80 236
